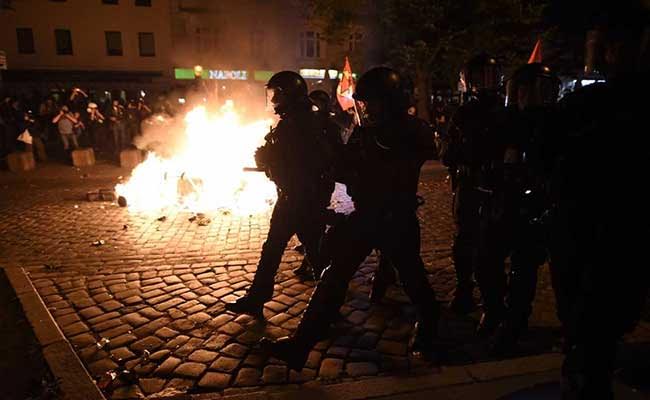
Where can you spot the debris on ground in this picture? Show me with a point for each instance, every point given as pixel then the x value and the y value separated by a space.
pixel 99 242
pixel 93 195
pixel 106 380
pixel 121 201
pixel 125 227
pixel 200 219
pixel 162 219
pixel 102 343
pixel 101 195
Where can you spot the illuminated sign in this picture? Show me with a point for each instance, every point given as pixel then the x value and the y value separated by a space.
pixel 238 75
pixel 311 73
pixel 216 74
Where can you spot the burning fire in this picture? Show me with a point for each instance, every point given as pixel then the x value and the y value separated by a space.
pixel 205 171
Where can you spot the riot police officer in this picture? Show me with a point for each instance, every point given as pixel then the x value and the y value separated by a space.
pixel 296 158
pixel 331 134
pixel 600 217
pixel 472 130
pixel 381 167
pixel 515 200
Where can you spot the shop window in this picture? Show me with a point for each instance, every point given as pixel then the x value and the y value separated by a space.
pixel 143 3
pixel 63 42
pixel 146 44
pixel 354 41
pixel 310 44
pixel 113 43
pixel 25 38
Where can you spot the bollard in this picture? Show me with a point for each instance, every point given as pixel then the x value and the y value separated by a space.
pixel 130 158
pixel 21 161
pixel 83 157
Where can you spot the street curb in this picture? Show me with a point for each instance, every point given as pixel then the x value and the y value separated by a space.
pixel 404 384
pixel 73 378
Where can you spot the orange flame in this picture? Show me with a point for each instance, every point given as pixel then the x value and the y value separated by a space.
pixel 205 172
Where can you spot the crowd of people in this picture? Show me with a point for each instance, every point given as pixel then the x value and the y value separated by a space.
pixel 56 127
pixel 528 176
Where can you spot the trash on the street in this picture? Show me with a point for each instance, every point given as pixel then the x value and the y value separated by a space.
pixel 99 242
pixel 107 194
pixel 204 221
pixel 76 206
pixel 125 227
pixel 162 219
pixel 121 201
pixel 106 379
pixel 102 343
pixel 145 355
pixel 128 377
pixel 200 219
pixel 93 195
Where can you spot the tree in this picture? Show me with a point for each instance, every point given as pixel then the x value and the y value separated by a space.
pixel 428 40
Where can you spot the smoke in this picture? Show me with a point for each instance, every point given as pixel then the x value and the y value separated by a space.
pixel 163 133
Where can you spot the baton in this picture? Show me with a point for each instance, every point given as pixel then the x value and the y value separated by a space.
pixel 253 169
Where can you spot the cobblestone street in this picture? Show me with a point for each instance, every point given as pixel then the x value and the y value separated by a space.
pixel 156 287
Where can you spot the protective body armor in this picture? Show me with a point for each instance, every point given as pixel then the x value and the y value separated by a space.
pixel 297 157
pixel 382 163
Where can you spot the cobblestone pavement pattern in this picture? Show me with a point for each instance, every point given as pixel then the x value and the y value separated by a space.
pixel 156 290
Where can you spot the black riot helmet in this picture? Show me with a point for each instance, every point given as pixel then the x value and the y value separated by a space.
pixel 381 95
pixel 531 86
pixel 284 90
pixel 321 99
pixel 482 73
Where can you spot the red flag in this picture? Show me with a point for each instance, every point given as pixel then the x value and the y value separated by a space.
pixel 345 88
pixel 536 55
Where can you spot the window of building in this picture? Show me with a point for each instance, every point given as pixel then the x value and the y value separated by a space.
pixel 146 44
pixel 354 41
pixel 113 43
pixel 110 1
pixel 143 3
pixel 205 40
pixel 63 42
pixel 257 43
pixel 310 44
pixel 25 38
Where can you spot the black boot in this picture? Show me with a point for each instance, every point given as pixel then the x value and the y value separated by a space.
pixel 288 349
pixel 384 277
pixel 425 342
pixel 305 271
pixel 507 336
pixel 489 323
pixel 463 302
pixel 246 305
pixel 378 289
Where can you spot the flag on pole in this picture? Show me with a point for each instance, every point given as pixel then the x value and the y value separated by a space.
pixel 536 55
pixel 345 89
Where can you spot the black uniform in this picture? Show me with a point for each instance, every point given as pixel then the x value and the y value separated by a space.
pixel 511 213
pixel 472 135
pixel 599 229
pixel 381 168
pixel 296 157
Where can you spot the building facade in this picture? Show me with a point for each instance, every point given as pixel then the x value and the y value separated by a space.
pixel 155 44
pixel 255 38
pixel 93 44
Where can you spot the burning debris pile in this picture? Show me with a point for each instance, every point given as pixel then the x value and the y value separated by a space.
pixel 197 164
